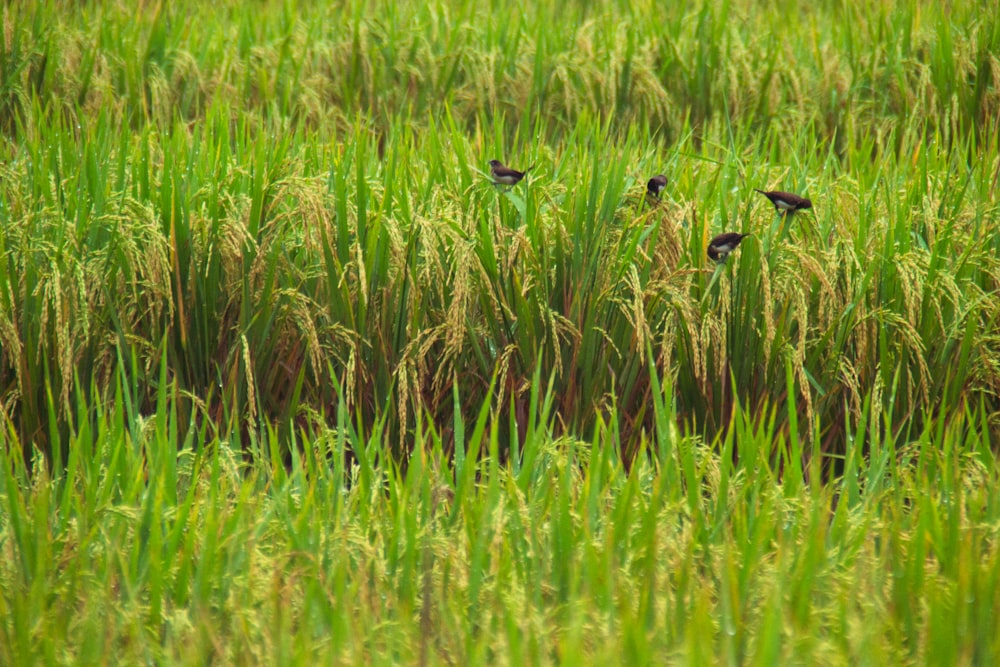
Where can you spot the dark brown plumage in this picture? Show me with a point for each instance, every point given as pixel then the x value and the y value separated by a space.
pixel 503 175
pixel 786 202
pixel 723 244
pixel 655 185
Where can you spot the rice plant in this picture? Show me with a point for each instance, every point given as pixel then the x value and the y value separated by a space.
pixel 285 376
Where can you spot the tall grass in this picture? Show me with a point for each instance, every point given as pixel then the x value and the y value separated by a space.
pixel 263 268
pixel 146 546
pixel 283 377
pixel 273 200
pixel 839 70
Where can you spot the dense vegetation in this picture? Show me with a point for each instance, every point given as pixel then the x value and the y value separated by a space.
pixel 284 378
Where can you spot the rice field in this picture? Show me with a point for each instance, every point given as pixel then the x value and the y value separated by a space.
pixel 285 378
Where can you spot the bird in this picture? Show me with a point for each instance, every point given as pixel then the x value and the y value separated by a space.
pixel 786 202
pixel 723 244
pixel 655 186
pixel 505 175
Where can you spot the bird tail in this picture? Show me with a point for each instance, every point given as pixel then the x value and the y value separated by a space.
pixel 528 169
pixel 760 191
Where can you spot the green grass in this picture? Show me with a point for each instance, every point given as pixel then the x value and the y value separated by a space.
pixel 283 378
pixel 141 550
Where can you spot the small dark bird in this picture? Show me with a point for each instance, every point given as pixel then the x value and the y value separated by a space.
pixel 786 202
pixel 723 244
pixel 655 186
pixel 505 175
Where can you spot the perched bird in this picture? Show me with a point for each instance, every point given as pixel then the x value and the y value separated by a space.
pixel 786 202
pixel 505 175
pixel 723 244
pixel 655 186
